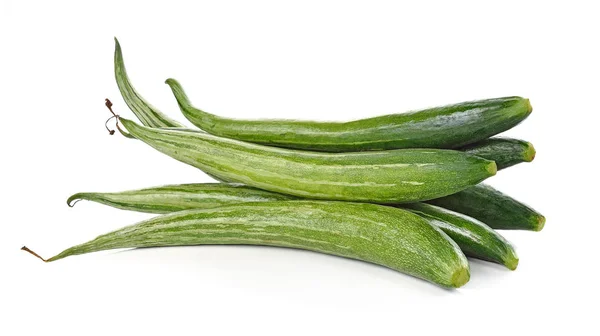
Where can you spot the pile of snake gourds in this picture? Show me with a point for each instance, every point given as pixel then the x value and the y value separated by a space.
pixel 402 190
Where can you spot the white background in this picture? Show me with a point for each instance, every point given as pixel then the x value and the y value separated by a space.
pixel 305 59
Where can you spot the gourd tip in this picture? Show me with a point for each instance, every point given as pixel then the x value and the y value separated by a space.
pixel 528 104
pixel 512 261
pixel 540 222
pixel 529 153
pixel 26 249
pixel 460 277
pixel 492 168
pixel 170 81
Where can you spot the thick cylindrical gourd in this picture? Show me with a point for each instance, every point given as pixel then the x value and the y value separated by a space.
pixel 494 208
pixel 395 176
pixel 506 152
pixel 382 235
pixel 473 237
pixel 146 113
pixel 172 198
pixel 439 127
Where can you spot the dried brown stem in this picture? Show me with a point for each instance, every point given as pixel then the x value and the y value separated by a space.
pixel 109 105
pixel 25 248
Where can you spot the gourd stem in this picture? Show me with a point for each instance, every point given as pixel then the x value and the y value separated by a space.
pixel 109 105
pixel 26 249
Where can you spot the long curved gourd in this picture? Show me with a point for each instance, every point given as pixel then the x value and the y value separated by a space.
pixel 382 235
pixel 441 127
pixel 146 113
pixel 494 208
pixel 473 237
pixel 394 176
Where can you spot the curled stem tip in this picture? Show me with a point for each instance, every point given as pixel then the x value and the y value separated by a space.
pixel 111 132
pixel 71 203
pixel 26 249
pixel 109 105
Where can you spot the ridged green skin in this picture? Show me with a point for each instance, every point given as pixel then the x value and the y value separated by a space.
pixel 382 235
pixel 473 237
pixel 395 176
pixel 172 198
pixel 440 127
pixel 506 152
pixel 146 113
pixel 494 208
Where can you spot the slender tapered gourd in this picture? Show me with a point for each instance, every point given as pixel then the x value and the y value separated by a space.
pixel 382 235
pixel 506 152
pixel 473 237
pixel 146 113
pixel 394 176
pixel 494 208
pixel 441 127
pixel 172 198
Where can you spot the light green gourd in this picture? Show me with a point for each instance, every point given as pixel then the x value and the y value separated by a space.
pixel 381 235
